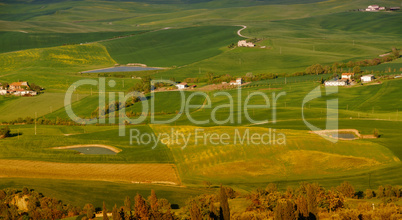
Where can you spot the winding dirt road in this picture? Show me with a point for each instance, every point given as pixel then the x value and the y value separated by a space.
pixel 238 32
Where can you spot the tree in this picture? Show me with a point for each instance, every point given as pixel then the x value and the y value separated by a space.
pixel 127 204
pixel 210 77
pixel 346 189
pixel 153 201
pixel 115 213
pixel 25 191
pixel 301 204
pixel 90 213
pixel 395 52
pixel 284 210
pixel 104 212
pixel 212 212
pixel 335 68
pixel 224 204
pixel 271 188
pixel 141 207
pixel 5 132
pixel 195 212
pixel 380 192
pixel 376 133
pixel 357 70
pixel 369 194
pixel 312 199
pixel 206 183
pixel 2 194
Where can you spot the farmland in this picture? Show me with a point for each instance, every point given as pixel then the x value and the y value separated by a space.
pixel 172 47
pixel 145 173
pixel 52 44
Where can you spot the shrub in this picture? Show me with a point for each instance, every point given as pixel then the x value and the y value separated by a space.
pixel 5 132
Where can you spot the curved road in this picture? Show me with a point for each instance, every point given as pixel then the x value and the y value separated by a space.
pixel 238 32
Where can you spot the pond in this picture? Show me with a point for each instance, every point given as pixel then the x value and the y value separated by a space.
pixel 122 69
pixel 94 150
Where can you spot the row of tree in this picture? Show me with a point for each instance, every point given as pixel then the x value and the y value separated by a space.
pixel 308 201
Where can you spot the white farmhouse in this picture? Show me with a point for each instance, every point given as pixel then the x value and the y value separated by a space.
pixel 3 91
pixel 182 85
pixel 367 78
pixel 238 82
pixel 373 8
pixel 243 43
pixel 335 82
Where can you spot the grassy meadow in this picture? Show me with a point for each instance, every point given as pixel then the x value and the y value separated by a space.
pixel 40 42
pixel 172 47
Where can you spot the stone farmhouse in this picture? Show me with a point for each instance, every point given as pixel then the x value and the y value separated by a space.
pixel 17 89
pixel 3 90
pixel 243 43
pixel 347 76
pixel 375 8
pixel 367 78
pixel 236 82
pixel 335 82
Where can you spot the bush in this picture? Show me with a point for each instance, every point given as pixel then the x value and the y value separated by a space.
pixel 5 132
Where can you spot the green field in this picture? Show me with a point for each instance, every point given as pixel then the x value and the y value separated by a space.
pixel 13 41
pixel 51 44
pixel 38 147
pixel 172 47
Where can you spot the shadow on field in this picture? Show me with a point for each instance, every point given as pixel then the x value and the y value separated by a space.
pixel 15 134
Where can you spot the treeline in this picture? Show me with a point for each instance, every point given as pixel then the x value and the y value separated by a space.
pixel 211 78
pixel 308 201
pixel 145 85
pixel 335 68
pixel 29 204
pixel 312 201
pixel 41 121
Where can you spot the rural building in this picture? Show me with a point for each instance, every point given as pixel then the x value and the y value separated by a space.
pixel 17 89
pixel 335 82
pixel 243 43
pixel 374 8
pixel 367 78
pixel 19 85
pixel 182 85
pixel 347 76
pixel 236 82
pixel 3 91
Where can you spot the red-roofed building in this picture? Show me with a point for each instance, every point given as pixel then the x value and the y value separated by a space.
pixel 19 85
pixel 347 76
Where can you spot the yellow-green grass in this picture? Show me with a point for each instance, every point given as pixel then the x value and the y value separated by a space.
pixel 12 108
pixel 173 47
pixel 79 193
pixel 165 103
pixel 13 41
pixel 303 155
pixel 57 68
pixel 25 145
pixel 132 173
pixel 56 57
pixel 288 55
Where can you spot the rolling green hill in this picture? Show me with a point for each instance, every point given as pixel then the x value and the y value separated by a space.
pixel 378 23
pixel 172 47
pixel 192 38
pixel 13 41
